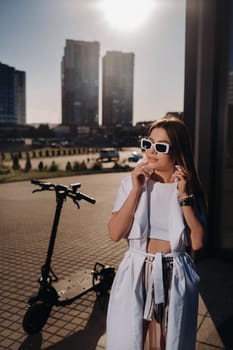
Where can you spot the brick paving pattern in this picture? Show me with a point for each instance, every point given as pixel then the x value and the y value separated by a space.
pixel 82 240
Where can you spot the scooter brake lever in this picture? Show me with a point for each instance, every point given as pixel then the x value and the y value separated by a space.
pixel 76 202
pixel 37 190
pixel 44 187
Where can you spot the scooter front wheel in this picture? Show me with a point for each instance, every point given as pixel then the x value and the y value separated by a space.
pixel 36 316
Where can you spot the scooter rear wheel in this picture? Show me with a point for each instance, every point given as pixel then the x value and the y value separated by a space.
pixel 35 317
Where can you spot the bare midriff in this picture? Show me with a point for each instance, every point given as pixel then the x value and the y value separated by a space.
pixel 158 246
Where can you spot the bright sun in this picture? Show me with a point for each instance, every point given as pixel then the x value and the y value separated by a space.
pixel 127 15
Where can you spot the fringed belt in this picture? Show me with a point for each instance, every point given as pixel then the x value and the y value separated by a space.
pixel 156 285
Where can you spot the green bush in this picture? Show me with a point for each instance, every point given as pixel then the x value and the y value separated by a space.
pixel 83 165
pixel 28 164
pixel 117 166
pixel 53 167
pixel 15 165
pixel 41 166
pixel 68 166
pixel 121 166
pixel 76 166
pixel 97 166
pixel 4 170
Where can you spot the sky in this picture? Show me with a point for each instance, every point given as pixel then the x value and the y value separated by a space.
pixel 33 35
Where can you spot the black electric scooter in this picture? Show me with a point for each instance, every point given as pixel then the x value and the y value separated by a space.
pixel 55 292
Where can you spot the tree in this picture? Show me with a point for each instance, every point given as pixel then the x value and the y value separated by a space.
pixel 28 164
pixel 53 166
pixel 68 166
pixel 15 165
pixel 44 131
pixel 41 166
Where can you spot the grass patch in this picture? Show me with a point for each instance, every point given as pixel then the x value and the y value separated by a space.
pixel 20 175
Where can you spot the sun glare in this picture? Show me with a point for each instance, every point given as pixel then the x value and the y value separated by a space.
pixel 126 15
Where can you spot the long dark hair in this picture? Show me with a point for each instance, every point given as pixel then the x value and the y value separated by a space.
pixel 181 151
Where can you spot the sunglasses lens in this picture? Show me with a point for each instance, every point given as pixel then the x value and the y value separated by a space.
pixel 146 144
pixel 161 148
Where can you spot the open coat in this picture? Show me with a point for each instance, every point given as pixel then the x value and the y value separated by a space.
pixel 127 304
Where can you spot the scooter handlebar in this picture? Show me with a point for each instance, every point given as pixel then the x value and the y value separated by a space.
pixel 86 198
pixel 77 196
pixel 70 191
pixel 44 185
pixel 36 182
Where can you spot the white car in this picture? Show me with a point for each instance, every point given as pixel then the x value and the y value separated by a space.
pixel 134 157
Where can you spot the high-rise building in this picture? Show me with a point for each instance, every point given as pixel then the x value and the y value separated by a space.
pixel 80 83
pixel 20 96
pixel 12 95
pixel 118 78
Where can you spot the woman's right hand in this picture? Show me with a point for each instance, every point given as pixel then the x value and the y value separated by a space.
pixel 140 175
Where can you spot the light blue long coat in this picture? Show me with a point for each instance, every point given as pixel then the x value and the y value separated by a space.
pixel 126 308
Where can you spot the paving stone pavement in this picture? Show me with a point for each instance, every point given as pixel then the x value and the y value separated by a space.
pixel 82 240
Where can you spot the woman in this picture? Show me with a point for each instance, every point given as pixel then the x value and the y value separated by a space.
pixel 160 211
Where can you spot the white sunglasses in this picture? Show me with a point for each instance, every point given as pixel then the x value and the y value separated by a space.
pixel 159 147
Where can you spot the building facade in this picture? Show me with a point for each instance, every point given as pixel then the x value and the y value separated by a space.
pixel 80 83
pixel 208 111
pixel 117 97
pixel 20 96
pixel 12 95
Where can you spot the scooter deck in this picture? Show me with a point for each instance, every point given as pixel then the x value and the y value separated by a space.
pixel 76 284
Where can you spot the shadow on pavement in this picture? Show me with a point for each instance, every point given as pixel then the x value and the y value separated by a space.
pixel 216 289
pixel 32 342
pixel 87 338
pixel 225 330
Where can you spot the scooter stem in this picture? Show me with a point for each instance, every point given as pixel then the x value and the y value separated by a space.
pixel 46 268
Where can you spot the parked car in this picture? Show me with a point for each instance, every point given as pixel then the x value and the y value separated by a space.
pixel 108 155
pixel 134 157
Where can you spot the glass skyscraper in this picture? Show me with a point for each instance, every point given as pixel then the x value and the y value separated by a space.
pixel 12 95
pixel 118 78
pixel 80 83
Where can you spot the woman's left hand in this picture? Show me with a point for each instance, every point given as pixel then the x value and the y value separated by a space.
pixel 181 177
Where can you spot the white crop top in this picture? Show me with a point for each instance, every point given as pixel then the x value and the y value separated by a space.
pixel 160 195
